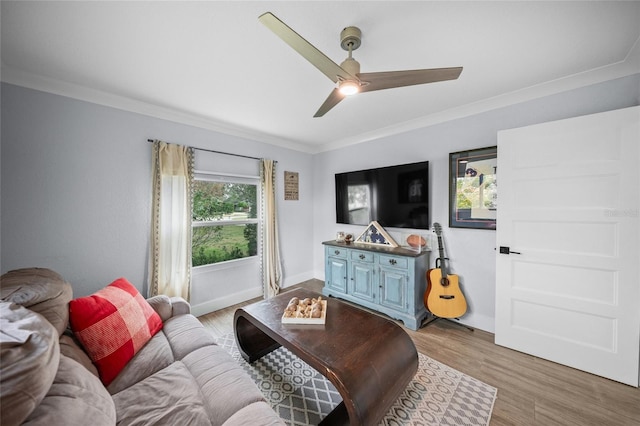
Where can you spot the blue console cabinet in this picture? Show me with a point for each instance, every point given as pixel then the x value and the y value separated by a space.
pixel 388 280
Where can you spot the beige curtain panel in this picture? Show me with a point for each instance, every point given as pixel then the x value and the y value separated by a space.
pixel 170 247
pixel 270 264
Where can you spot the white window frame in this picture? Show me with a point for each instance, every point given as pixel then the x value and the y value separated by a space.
pixel 230 178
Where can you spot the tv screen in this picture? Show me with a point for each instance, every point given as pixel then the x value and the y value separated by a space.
pixel 395 196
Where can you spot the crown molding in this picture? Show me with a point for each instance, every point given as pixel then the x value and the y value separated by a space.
pixel 87 94
pixel 629 66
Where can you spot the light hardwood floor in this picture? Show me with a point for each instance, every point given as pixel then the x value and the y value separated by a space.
pixel 531 391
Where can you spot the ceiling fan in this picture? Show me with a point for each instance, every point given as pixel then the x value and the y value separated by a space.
pixel 347 76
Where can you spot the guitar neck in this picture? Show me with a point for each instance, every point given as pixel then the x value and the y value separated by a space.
pixel 443 265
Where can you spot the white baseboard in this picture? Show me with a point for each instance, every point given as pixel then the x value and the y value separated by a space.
pixel 226 301
pixel 479 321
pixel 242 296
pixel 297 279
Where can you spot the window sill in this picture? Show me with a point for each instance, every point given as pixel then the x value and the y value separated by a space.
pixel 235 263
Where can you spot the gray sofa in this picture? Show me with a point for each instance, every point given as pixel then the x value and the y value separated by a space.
pixel 180 377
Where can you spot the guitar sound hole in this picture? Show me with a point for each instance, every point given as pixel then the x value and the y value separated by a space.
pixel 444 282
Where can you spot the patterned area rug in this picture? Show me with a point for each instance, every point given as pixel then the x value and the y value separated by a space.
pixel 437 395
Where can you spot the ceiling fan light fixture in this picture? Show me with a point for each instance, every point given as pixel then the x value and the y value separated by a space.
pixel 347 76
pixel 348 87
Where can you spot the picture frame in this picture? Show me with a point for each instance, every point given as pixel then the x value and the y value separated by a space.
pixel 473 188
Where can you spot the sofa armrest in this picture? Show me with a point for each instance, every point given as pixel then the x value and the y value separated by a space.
pixel 180 306
pixel 168 307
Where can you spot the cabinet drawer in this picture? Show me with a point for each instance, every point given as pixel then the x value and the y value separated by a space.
pixel 337 252
pixel 361 256
pixel 397 262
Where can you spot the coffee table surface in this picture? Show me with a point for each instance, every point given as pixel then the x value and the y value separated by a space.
pixel 369 359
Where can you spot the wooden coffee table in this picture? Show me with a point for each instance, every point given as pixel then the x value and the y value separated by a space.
pixel 369 359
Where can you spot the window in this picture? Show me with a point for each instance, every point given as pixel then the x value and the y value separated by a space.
pixel 225 218
pixel 358 204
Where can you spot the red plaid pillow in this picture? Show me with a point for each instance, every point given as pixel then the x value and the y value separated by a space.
pixel 112 325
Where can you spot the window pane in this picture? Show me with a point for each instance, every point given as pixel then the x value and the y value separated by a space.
pixel 359 206
pixel 213 244
pixel 224 201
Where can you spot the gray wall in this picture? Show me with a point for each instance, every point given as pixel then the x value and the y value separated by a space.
pixel 471 252
pixel 76 187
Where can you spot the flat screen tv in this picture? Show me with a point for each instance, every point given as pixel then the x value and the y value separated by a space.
pixel 394 196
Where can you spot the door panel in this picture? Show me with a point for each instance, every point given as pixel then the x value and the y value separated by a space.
pixel 362 277
pixel 558 236
pixel 337 279
pixel 569 205
pixel 559 323
pixel 590 284
pixel 393 289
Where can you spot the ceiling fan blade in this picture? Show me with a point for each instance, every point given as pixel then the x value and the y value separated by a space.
pixel 391 79
pixel 304 48
pixel 334 98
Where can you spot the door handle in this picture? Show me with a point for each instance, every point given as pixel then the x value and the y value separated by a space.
pixel 507 250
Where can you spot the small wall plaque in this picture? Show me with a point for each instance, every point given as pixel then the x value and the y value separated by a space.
pixel 291 191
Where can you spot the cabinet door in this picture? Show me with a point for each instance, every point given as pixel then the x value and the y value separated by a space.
pixel 362 277
pixel 393 288
pixel 337 279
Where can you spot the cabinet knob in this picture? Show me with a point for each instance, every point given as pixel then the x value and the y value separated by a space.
pixel 337 252
pixel 361 256
pixel 392 261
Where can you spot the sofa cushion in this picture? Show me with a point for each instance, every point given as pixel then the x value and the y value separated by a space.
pixel 179 336
pixel 225 386
pixel 113 325
pixel 41 290
pixel 256 414
pixel 186 334
pixel 71 348
pixel 29 357
pixel 75 396
pixel 169 397
pixel 153 357
pixel 207 387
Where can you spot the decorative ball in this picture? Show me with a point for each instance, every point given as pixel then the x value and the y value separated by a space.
pixel 416 241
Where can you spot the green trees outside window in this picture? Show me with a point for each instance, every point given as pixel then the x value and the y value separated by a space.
pixel 225 222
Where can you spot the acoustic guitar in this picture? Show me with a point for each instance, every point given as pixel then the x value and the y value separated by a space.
pixel 443 297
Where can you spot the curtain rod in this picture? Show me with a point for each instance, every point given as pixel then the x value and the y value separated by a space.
pixel 221 152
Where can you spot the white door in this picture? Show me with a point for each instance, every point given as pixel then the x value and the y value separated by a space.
pixel 568 216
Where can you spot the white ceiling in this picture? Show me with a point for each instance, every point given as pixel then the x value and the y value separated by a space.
pixel 213 65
